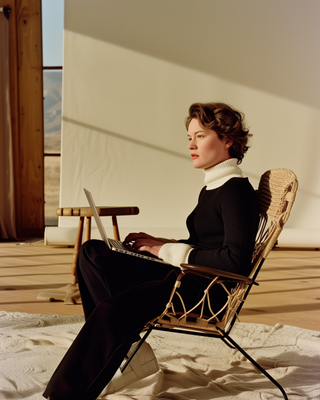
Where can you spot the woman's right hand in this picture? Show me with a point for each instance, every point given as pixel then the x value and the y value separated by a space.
pixel 143 242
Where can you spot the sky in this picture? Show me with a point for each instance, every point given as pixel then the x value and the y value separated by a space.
pixel 52 32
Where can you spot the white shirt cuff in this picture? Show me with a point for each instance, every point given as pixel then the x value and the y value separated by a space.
pixel 175 253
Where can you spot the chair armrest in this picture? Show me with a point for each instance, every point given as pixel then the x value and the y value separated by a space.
pixel 212 273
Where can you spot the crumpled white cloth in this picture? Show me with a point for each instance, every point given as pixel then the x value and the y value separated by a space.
pixel 191 367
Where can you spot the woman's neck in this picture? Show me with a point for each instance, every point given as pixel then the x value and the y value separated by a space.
pixel 219 174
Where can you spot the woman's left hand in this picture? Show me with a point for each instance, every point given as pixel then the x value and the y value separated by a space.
pixel 144 242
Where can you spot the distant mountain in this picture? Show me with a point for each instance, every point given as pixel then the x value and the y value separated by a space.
pixel 52 93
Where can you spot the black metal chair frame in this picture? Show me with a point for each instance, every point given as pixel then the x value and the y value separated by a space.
pixel 276 194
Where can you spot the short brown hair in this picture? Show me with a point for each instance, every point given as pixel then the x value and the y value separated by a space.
pixel 227 122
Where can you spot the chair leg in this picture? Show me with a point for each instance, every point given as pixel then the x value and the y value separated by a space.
pixel 76 250
pixel 142 340
pixel 227 343
pixel 87 235
pixel 225 338
pixel 116 234
pixel 261 369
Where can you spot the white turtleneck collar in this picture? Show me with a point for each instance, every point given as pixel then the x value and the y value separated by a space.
pixel 219 174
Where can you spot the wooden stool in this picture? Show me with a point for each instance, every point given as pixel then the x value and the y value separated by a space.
pixel 86 213
pixel 70 293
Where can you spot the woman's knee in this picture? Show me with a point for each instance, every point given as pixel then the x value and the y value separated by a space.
pixel 89 251
pixel 93 246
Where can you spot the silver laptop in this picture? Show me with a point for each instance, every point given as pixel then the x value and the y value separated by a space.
pixel 113 244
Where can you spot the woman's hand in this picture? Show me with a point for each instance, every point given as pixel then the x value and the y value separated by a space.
pixel 143 242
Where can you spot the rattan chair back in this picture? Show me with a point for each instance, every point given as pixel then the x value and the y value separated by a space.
pixel 276 194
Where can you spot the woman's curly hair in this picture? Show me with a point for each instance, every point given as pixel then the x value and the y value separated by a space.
pixel 227 122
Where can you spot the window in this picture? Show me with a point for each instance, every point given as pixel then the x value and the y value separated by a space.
pixel 52 42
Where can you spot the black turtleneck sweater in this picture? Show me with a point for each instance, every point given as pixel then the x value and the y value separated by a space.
pixel 223 227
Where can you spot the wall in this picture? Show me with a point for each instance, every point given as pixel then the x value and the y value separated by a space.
pixel 131 70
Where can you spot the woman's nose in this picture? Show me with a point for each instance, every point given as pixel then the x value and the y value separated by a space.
pixel 191 145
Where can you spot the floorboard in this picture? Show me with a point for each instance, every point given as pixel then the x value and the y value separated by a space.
pixel 288 292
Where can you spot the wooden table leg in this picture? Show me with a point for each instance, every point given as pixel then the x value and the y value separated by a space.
pixel 70 293
pixel 116 234
pixel 78 243
pixel 87 233
pixel 76 250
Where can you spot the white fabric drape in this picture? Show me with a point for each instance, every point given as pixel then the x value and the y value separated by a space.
pixel 7 209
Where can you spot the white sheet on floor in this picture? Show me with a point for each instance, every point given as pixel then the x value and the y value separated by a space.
pixel 31 347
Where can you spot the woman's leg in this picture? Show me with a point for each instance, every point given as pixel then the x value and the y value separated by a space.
pixel 116 313
pixel 103 273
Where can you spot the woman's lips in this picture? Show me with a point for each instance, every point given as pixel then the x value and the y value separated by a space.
pixel 194 156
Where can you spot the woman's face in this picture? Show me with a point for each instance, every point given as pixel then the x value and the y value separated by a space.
pixel 205 146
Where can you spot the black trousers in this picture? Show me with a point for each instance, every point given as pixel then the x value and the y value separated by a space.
pixel 120 294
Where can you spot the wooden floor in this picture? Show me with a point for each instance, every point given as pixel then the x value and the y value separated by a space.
pixel 289 291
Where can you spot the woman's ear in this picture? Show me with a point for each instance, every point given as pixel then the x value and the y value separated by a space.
pixel 228 144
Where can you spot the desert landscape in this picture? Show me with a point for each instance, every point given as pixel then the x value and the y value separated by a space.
pixel 52 93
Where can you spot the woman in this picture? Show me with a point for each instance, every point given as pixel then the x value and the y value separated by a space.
pixel 121 293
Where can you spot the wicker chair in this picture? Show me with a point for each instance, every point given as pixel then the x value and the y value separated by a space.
pixel 276 194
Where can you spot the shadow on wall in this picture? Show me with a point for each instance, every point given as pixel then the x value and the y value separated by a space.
pixel 127 138
pixel 269 46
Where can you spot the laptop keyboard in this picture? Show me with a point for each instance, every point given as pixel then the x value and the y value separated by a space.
pixel 119 245
pixel 128 246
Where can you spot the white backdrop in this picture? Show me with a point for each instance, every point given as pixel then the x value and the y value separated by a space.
pixel 131 70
